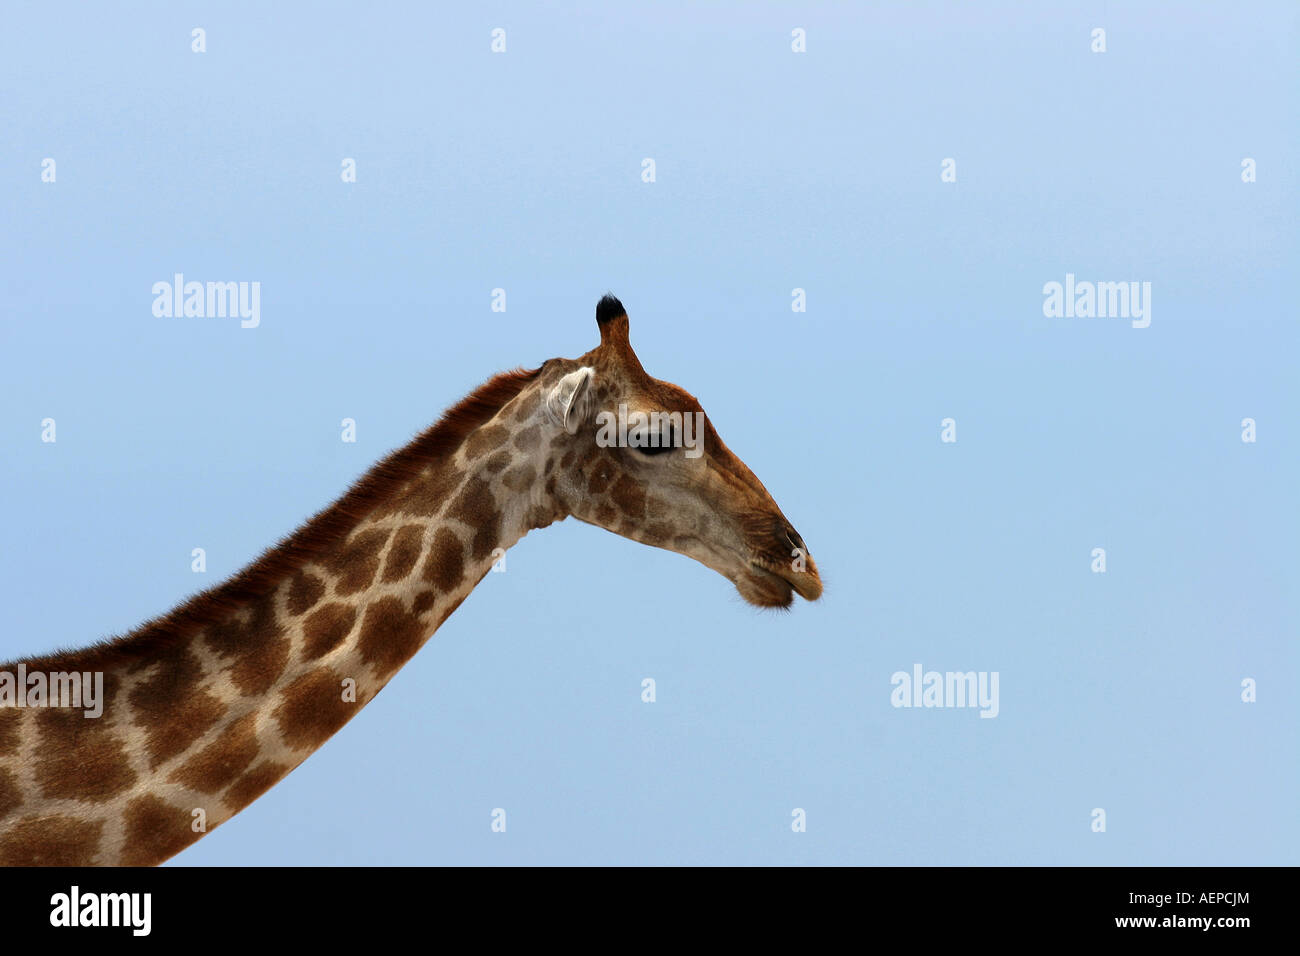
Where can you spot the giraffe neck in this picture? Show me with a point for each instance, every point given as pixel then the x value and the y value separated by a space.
pixel 205 709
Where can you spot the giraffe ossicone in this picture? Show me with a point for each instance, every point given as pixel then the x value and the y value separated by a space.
pixel 205 708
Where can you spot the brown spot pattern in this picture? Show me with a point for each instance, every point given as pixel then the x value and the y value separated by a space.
pixel 520 478
pixel 79 757
pixel 304 591
pixel 484 440
pixel 357 563
pixel 430 492
pixel 155 830
pixel 54 840
pixel 254 783
pixel 658 531
pixel 528 438
pixel 10 796
pixel 171 707
pixel 404 552
pixel 476 507
pixel 629 496
pixel 445 565
pixel 539 516
pixel 217 765
pixel 313 708
pixel 257 670
pixel 258 646
pixel 10 721
pixel 390 635
pixel 326 629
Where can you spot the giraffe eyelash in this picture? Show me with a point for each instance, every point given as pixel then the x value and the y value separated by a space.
pixel 652 450
pixel 666 444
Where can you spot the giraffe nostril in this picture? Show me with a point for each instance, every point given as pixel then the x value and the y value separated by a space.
pixel 795 541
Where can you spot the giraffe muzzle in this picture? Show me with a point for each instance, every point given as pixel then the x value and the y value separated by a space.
pixel 779 570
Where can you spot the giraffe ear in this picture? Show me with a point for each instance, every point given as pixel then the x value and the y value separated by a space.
pixel 569 402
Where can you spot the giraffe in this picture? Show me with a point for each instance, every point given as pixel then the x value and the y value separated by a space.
pixel 208 706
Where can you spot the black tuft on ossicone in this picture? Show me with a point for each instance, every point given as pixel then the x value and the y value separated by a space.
pixel 608 308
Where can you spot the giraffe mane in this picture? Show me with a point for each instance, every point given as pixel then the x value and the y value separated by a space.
pixel 300 547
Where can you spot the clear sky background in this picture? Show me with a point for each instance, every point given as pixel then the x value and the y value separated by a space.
pixel 775 170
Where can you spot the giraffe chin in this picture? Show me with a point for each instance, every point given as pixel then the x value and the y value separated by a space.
pixel 764 588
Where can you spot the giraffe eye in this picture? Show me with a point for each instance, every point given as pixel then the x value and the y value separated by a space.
pixel 655 451
pixel 667 442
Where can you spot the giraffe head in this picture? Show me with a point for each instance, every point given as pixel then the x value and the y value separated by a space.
pixel 639 457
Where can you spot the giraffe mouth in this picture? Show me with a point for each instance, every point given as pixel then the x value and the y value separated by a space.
pixel 766 585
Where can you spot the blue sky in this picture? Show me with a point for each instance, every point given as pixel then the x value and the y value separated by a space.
pixel 775 170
